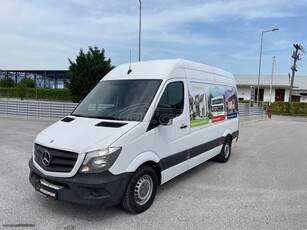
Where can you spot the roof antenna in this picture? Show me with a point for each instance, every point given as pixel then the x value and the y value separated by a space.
pixel 129 70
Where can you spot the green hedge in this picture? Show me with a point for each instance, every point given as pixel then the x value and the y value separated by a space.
pixel 42 94
pixel 292 108
pixel 244 101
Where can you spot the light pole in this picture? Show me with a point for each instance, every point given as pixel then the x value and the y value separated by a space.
pixel 271 85
pixel 140 23
pixel 272 30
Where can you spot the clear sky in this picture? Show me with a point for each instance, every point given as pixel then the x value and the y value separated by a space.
pixel 43 34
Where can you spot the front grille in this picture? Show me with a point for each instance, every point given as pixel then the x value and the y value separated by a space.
pixel 60 161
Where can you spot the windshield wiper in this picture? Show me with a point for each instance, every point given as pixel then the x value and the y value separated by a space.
pixel 97 117
pixel 103 117
pixel 77 115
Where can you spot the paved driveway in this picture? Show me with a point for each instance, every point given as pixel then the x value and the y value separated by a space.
pixel 263 186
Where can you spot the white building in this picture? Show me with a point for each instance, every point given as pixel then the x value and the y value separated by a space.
pixel 280 87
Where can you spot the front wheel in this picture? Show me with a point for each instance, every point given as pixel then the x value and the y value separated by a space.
pixel 224 155
pixel 141 190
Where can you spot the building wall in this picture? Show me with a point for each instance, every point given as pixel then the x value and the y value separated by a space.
pixel 244 81
pixel 266 96
pixel 303 99
pixel 244 92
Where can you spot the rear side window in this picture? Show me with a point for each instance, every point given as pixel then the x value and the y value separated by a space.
pixel 174 96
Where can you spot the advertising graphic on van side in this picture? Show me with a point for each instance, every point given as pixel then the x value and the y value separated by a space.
pixel 211 103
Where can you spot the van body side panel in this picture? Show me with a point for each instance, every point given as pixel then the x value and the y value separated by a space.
pixel 188 154
pixel 171 139
pixel 213 114
pixel 134 144
pixel 213 111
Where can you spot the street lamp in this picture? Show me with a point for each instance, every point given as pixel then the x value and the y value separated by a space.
pixel 272 30
pixel 271 85
pixel 140 21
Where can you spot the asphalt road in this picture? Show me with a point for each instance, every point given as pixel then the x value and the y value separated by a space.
pixel 263 186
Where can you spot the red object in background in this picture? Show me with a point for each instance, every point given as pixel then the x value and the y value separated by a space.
pixel 269 111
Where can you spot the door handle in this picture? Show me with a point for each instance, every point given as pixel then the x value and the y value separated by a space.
pixel 183 126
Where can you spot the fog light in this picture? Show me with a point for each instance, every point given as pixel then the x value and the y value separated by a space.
pixel 95 192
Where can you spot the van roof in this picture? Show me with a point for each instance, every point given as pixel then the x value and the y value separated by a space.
pixel 160 69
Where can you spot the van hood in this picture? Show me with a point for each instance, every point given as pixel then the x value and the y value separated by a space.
pixel 81 135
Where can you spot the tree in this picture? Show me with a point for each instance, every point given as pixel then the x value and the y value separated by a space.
pixel 7 82
pixel 30 83
pixel 86 72
pixel 21 90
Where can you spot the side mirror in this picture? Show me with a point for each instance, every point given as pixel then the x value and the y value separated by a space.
pixel 164 115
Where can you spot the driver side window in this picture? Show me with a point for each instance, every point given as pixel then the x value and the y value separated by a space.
pixel 174 96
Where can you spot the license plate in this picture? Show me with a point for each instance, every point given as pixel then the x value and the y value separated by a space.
pixel 46 191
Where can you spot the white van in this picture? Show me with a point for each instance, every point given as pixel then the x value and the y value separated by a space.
pixel 139 127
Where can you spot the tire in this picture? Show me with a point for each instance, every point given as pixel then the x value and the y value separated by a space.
pixel 141 190
pixel 224 155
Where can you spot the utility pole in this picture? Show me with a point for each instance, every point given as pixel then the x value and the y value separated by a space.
pixel 296 57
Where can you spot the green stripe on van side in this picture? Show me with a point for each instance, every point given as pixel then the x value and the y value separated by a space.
pixel 199 122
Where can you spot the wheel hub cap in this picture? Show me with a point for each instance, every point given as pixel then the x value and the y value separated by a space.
pixel 143 189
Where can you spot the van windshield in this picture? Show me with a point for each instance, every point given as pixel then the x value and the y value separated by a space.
pixel 126 100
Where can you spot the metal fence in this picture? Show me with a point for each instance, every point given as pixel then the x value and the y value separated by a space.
pixel 37 109
pixel 41 109
pixel 246 112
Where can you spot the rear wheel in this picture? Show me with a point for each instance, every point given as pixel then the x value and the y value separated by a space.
pixel 141 190
pixel 224 155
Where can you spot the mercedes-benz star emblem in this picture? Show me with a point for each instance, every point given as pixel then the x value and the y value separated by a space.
pixel 46 158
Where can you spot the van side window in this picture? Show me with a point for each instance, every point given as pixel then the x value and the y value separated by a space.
pixel 174 96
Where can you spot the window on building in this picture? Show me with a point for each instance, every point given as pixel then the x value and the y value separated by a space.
pixel 261 92
pixel 279 95
pixel 296 98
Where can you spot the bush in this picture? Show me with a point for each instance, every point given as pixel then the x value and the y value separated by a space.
pixel 244 101
pixel 8 92
pixel 292 108
pixel 7 82
pixel 21 90
pixel 39 93
pixel 30 83
pixel 50 94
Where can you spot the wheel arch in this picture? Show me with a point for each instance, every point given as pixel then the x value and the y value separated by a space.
pixel 155 167
pixel 228 135
pixel 147 158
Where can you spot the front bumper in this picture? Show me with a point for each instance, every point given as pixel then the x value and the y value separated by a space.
pixel 104 189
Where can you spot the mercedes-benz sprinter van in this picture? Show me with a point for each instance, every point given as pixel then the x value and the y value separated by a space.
pixel 142 125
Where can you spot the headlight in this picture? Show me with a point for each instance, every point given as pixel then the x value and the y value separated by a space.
pixel 100 160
